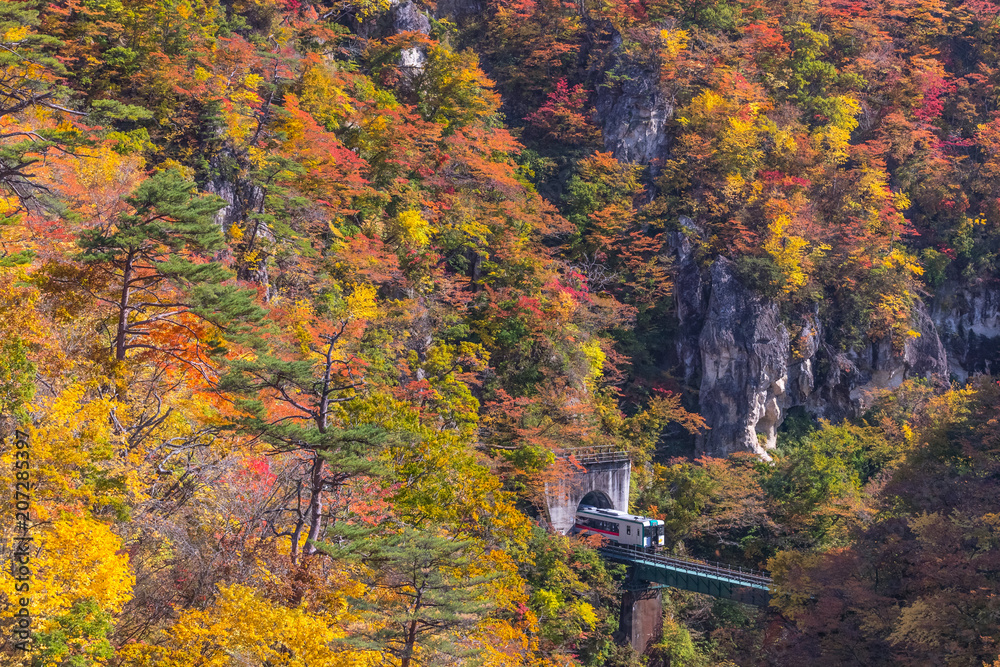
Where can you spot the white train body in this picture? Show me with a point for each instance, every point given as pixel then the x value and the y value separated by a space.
pixel 619 527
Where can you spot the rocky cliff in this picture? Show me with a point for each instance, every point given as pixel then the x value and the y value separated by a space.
pixel 746 365
pixel 633 111
pixel 744 354
pixel 749 366
pixel 968 319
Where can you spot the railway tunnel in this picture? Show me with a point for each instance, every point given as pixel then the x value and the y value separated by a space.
pixel 597 476
pixel 597 499
pixel 600 477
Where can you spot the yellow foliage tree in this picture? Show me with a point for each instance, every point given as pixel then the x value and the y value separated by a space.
pixel 79 566
pixel 80 559
pixel 787 250
pixel 74 446
pixel 243 627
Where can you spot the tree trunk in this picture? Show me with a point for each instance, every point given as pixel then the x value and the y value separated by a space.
pixel 411 640
pixel 123 311
pixel 315 502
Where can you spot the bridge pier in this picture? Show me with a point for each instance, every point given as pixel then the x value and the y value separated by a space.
pixel 641 620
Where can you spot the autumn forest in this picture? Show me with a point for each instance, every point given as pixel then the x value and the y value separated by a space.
pixel 304 304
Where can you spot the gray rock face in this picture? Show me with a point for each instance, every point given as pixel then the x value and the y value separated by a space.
pixel 242 198
pixel 401 17
pixel 633 116
pixel 753 367
pixel 925 356
pixel 969 322
pixel 407 17
pixel 853 379
pixel 241 195
pixel 457 9
pixel 689 300
pixel 744 355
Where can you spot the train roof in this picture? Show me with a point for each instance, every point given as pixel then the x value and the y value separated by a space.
pixel 589 510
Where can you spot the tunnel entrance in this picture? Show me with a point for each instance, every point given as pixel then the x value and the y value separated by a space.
pixel 597 499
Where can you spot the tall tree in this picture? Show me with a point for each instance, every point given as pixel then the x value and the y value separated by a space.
pixel 424 593
pixel 291 391
pixel 28 82
pixel 156 260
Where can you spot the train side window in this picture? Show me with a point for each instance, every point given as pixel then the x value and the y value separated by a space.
pixel 628 530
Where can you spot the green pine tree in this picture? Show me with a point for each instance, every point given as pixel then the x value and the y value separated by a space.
pixel 30 79
pixel 431 595
pixel 311 384
pixel 158 260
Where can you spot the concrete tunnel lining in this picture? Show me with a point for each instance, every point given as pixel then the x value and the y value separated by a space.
pixel 564 495
pixel 597 498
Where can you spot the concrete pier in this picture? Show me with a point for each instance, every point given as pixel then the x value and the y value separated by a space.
pixel 641 621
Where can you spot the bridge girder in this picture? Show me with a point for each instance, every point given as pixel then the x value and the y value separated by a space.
pixel 718 581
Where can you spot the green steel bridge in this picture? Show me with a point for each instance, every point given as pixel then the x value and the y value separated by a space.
pixel 740 584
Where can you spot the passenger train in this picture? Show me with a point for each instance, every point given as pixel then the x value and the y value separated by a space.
pixel 619 527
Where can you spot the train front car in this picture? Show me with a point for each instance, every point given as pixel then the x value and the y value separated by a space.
pixel 652 530
pixel 619 528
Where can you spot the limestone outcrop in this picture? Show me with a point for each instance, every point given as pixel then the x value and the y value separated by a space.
pixel 749 366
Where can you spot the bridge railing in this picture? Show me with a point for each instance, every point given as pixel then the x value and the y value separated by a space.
pixel 749 576
pixel 594 454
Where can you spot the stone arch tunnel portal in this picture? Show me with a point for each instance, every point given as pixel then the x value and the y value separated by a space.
pixel 599 499
pixel 598 478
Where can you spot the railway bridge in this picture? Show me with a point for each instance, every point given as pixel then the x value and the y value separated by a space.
pixel 599 476
pixel 641 618
pixel 715 579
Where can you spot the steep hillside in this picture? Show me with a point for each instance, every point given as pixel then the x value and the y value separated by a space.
pixel 300 302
